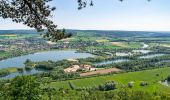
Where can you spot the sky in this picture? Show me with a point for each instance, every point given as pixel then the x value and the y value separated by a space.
pixel 107 15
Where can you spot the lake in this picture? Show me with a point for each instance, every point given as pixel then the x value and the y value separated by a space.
pixel 43 56
pixel 110 62
pixel 40 56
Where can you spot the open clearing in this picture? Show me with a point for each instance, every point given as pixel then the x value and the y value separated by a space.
pixel 101 71
pixel 102 40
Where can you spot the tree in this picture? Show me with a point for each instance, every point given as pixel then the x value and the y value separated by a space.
pixel 84 3
pixel 33 13
pixel 24 88
pixel 50 91
pixel 168 79
pixel 110 85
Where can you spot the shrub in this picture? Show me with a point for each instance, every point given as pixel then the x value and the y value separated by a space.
pixel 28 68
pixel 130 84
pixel 44 66
pixel 168 79
pixel 21 70
pixel 110 85
pixel 143 83
pixel 157 74
pixel 4 72
pixel 72 86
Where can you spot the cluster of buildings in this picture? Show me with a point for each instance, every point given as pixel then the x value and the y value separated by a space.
pixel 75 68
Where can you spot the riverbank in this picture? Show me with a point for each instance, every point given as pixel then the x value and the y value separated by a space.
pixel 6 71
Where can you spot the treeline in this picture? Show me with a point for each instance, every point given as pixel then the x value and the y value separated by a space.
pixel 57 75
pixel 140 64
pixel 51 69
pixel 133 63
pixel 49 65
pixel 15 53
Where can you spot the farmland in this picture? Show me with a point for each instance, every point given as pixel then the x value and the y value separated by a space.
pixel 134 62
pixel 149 76
pixel 101 71
pixel 84 50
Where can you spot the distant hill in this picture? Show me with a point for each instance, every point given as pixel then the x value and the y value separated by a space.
pixel 19 32
pixel 97 33
pixel 123 33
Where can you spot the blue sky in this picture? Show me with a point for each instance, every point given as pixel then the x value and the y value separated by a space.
pixel 108 15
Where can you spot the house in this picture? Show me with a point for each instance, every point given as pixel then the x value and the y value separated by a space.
pixel 75 68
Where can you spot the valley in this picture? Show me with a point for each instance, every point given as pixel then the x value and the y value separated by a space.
pixel 88 59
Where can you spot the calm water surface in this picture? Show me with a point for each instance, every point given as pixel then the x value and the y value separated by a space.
pixel 42 56
pixel 112 61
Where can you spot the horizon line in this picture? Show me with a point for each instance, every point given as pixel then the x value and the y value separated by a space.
pixel 90 30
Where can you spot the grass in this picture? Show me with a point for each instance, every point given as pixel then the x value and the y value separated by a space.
pixel 7 71
pixel 102 40
pixel 8 35
pixel 117 45
pixel 148 76
pixel 104 47
pixel 12 69
pixel 133 44
pixel 2 53
pixel 17 36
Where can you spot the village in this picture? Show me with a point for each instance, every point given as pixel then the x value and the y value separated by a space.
pixel 86 70
pixel 21 46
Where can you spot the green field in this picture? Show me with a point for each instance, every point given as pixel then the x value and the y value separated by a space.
pixel 109 45
pixel 12 69
pixel 152 77
pixel 3 54
pixel 17 36
pixel 104 47
pixel 133 44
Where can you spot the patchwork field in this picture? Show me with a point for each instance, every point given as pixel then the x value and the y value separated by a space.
pixel 104 47
pixel 102 40
pixel 121 44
